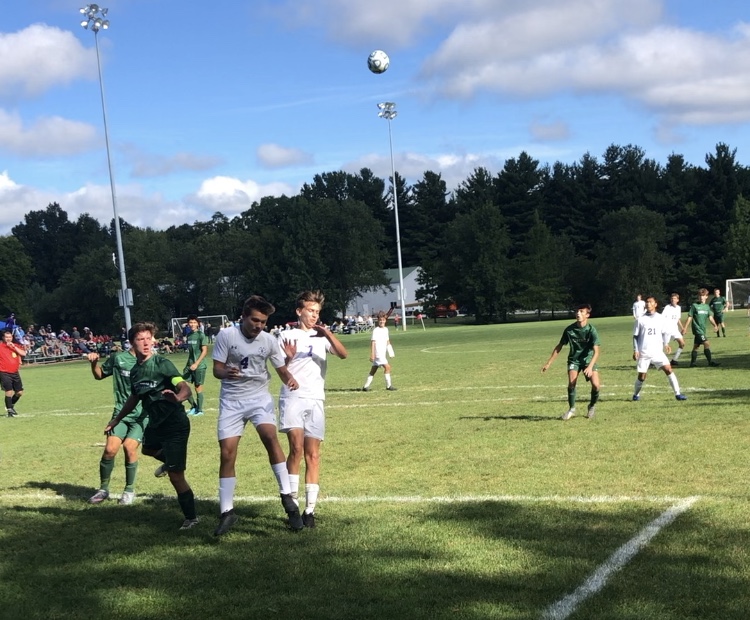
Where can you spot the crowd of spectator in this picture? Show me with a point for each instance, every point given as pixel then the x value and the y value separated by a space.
pixel 45 343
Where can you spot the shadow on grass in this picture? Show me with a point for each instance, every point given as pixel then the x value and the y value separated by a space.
pixel 523 418
pixel 464 560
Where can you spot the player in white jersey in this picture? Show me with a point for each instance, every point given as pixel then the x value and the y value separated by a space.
pixel 240 359
pixel 672 315
pixel 380 344
pixel 301 413
pixel 651 337
pixel 639 307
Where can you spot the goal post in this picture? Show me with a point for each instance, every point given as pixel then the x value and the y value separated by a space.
pixel 738 293
pixel 217 321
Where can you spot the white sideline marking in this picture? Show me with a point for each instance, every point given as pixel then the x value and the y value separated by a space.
pixel 595 582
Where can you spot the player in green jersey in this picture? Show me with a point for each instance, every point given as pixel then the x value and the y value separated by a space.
pixel 158 385
pixel 128 433
pixel 583 340
pixel 699 316
pixel 718 307
pixel 195 369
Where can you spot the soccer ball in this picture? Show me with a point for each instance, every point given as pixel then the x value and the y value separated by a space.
pixel 378 61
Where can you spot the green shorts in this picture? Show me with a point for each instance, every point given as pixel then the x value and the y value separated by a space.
pixel 171 436
pixel 581 366
pixel 699 339
pixel 196 377
pixel 132 426
pixel 719 317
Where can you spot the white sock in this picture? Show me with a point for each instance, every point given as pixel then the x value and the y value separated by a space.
pixel 226 493
pixel 368 381
pixel 673 382
pixel 282 477
pixel 677 354
pixel 311 497
pixel 637 387
pixel 387 379
pixel 294 484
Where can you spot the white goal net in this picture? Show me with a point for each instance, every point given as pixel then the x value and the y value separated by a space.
pixel 209 324
pixel 738 293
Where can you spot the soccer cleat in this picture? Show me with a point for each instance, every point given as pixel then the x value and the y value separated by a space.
pixel 226 521
pixel 693 364
pixel 292 510
pixel 161 471
pixel 590 413
pixel 568 414
pixel 308 518
pixel 189 524
pixel 680 397
pixel 674 363
pixel 714 364
pixel 99 497
pixel 12 413
pixel 197 413
pixel 127 498
pixel 636 397
pixel 391 389
pixel 191 411
pixel 365 389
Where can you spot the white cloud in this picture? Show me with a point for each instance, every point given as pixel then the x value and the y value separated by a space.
pixel 232 196
pixel 276 156
pixel 149 165
pixel 39 57
pixel 47 137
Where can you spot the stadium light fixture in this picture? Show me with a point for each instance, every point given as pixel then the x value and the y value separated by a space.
pixel 94 20
pixel 388 112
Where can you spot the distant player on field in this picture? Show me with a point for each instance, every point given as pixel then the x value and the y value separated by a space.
pixel 379 343
pixel 240 359
pixel 672 315
pixel 158 385
pixel 11 355
pixel 583 340
pixel 651 337
pixel 195 368
pixel 698 318
pixel 301 412
pixel 718 308
pixel 639 307
pixel 128 433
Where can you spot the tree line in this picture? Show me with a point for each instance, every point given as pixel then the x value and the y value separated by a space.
pixel 529 238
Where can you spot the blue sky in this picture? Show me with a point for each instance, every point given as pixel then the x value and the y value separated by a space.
pixel 210 109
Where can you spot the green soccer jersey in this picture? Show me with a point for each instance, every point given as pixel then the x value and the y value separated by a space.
pixel 196 341
pixel 118 366
pixel 699 313
pixel 718 304
pixel 581 341
pixel 149 379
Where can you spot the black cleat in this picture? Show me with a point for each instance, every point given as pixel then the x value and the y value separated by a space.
pixel 308 518
pixel 674 363
pixel 714 364
pixel 12 413
pixel 391 389
pixel 292 511
pixel 226 522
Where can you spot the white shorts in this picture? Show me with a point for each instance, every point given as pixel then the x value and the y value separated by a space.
pixel 234 414
pixel 644 361
pixel 304 413
pixel 676 335
pixel 380 361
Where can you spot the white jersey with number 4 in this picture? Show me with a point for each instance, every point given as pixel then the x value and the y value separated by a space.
pixel 232 348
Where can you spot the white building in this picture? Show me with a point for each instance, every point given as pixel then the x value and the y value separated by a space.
pixel 371 302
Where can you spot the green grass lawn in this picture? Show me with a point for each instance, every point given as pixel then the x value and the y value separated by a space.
pixel 461 495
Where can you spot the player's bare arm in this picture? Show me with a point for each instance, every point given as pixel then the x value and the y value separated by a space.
pixel 287 378
pixel 338 349
pixel 182 394
pixel 555 353
pixel 290 349
pixel 223 371
pixel 127 409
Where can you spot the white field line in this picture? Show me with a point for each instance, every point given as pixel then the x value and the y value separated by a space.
pixel 598 579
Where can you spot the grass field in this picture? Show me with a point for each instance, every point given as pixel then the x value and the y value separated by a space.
pixel 461 495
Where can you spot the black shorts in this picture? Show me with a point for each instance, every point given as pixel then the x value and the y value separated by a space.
pixel 171 436
pixel 11 382
pixel 699 339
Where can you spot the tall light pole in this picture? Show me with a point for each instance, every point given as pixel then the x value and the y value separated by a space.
pixel 388 112
pixel 94 20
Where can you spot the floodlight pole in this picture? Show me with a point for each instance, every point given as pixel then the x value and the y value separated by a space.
pixel 94 20
pixel 388 112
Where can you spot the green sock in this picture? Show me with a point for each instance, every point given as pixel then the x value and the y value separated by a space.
pixel 191 400
pixel 187 503
pixel 571 398
pixel 105 472
pixel 707 353
pixel 594 397
pixel 131 469
pixel 693 357
pixel 200 401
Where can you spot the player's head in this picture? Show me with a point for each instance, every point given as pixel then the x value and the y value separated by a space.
pixel 651 304
pixel 382 318
pixel 702 292
pixel 258 303
pixel 141 336
pixel 583 311
pixel 7 335
pixel 717 292
pixel 309 304
pixel 638 297
pixel 192 322
pixel 674 298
